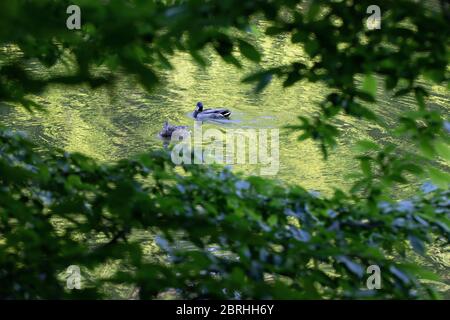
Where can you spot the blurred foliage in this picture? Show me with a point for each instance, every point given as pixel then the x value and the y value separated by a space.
pixel 250 238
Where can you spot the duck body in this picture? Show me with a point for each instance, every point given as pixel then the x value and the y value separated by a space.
pixel 213 114
pixel 169 129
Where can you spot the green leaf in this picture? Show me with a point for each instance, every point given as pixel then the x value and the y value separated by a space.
pixel 417 244
pixel 369 85
pixel 366 167
pixel 440 178
pixel 273 219
pixel 292 78
pixel 299 36
pixel 421 272
pixel 443 149
pixel 311 47
pixel 263 82
pixel 232 60
pixel 147 77
pixel 402 92
pixel 352 266
pixel 365 96
pixel 391 82
pixel 313 10
pixel 73 181
pixel 366 145
pixel 420 94
pixel 412 168
pixel 399 274
pixel 427 148
pixel 273 31
pixel 249 51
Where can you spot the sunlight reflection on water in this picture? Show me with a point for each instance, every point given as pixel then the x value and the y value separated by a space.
pixel 110 124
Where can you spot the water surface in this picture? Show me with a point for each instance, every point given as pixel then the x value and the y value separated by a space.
pixel 113 123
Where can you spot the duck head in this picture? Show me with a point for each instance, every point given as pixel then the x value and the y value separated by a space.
pixel 165 130
pixel 198 109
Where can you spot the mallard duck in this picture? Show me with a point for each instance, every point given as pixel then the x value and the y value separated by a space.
pixel 205 114
pixel 169 129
